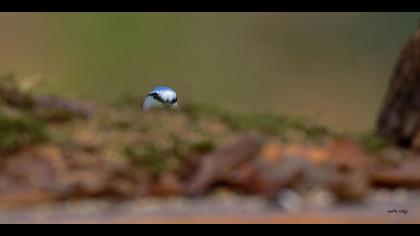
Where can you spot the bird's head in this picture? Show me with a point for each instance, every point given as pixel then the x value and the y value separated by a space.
pixel 161 97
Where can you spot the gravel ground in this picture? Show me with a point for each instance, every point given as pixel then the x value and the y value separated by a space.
pixel 384 206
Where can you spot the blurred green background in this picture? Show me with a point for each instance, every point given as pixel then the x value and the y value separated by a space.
pixel 331 67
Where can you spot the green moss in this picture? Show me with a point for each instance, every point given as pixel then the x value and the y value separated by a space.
pixel 18 125
pixel 147 158
pixel 204 146
pixel 267 123
pixel 310 130
pixel 373 142
pixel 19 131
pixel 155 160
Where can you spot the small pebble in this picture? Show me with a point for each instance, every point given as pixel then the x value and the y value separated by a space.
pixel 290 201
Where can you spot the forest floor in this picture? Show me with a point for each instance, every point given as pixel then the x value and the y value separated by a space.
pixel 67 161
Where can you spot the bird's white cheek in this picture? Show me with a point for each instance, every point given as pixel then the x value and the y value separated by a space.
pixel 175 105
pixel 150 103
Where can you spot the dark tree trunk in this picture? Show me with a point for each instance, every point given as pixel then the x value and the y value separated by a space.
pixel 399 119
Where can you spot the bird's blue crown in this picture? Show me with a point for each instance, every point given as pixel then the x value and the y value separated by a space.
pixel 161 89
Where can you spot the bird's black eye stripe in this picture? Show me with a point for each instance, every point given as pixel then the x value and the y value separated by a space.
pixel 156 97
